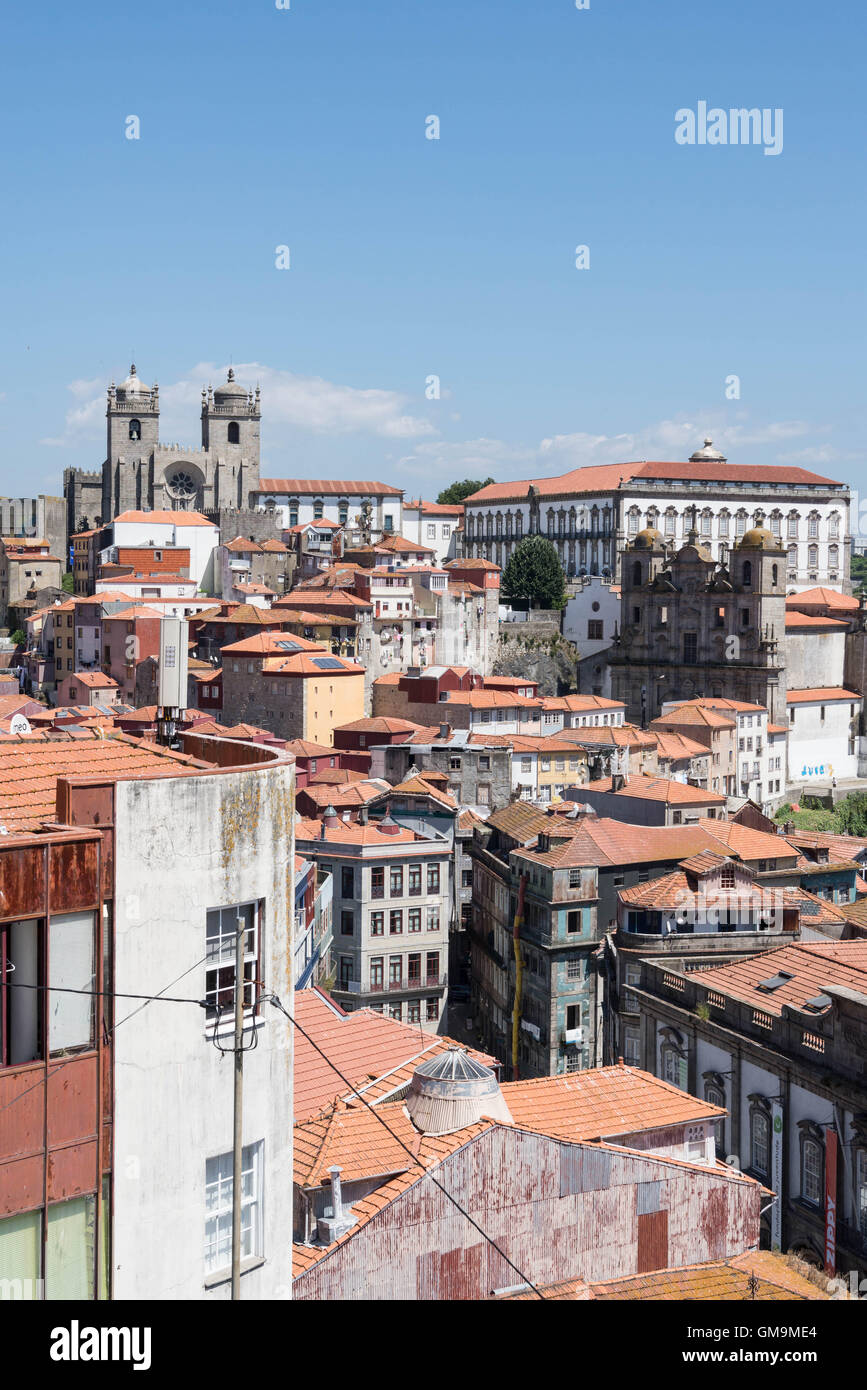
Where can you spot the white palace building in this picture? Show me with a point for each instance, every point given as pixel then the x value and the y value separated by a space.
pixel 591 513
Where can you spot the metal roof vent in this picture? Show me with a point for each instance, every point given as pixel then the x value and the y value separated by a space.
pixel 452 1090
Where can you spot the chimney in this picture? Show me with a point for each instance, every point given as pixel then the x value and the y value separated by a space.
pixel 445 729
pixel 617 782
pixel 388 826
pixel 362 815
pixel 331 1228
pixel 331 819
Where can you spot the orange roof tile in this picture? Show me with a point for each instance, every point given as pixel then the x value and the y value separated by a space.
pixel 604 1103
pixel 812 965
pixel 327 487
pixel 795 620
pixel 159 517
pixel 830 598
pixel 821 695
pixel 725 1280
pixel 609 477
pixel 650 788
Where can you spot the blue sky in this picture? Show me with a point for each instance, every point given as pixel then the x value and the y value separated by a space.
pixel 412 257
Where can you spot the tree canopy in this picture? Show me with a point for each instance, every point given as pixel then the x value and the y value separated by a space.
pixel 534 575
pixel 456 492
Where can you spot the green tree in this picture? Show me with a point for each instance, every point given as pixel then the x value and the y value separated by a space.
pixel 851 814
pixel 534 575
pixel 67 583
pixel 858 571
pixel 18 637
pixel 451 496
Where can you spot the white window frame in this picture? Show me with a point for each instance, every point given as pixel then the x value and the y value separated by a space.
pixel 218 1208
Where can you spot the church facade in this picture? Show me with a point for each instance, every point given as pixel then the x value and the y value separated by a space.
pixel 140 473
pixel 691 627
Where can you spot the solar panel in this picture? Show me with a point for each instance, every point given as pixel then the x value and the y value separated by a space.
pixel 328 663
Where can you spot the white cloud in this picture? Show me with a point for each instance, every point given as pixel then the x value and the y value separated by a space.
pixel 303 403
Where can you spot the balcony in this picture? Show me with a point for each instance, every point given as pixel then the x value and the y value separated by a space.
pixel 425 984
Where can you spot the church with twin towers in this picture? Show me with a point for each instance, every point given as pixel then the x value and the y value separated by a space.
pixel 142 474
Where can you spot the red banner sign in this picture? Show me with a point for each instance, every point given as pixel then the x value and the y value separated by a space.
pixel 830 1201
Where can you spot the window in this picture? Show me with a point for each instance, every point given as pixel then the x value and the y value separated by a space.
pixel 433 919
pixel 234 434
pixel 812 555
pixel 413 969
pixel 526 764
pixel 377 883
pixel 812 1170
pixel 714 1095
pixel 414 919
pixel 413 1011
pixel 690 648
pixel 594 631
pixel 415 880
pixel 347 883
pixel 573 968
pixel 135 429
pixel 395 971
pixel 377 923
pixel 861 1193
pixel 376 965
pixel 432 967
pixel 21 1033
pixel 433 878
pixel 727 876
pixel 218 1207
pixel 432 1010
pixel 395 922
pixel 347 923
pixel 396 886
pixel 431 532
pixel 221 932
pixel 343 513
pixel 317 509
pixel 346 975
pixel 760 1130
pixel 573 921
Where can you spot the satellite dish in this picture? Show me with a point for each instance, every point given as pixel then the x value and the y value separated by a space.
pixel 19 725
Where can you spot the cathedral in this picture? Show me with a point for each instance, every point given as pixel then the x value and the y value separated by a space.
pixel 140 473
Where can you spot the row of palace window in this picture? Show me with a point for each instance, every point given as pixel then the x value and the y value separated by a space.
pixel 396 978
pixel 395 921
pixel 742 522
pixel 319 512
pixel 512 524
pixel 394 1009
pixel 414 880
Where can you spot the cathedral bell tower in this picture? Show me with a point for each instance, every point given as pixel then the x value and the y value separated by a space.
pixel 230 437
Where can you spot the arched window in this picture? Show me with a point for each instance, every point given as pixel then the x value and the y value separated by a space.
pixel 670 521
pixel 318 507
pixel 724 522
pixel 715 1095
pixel 774 575
pixel 706 521
pixel 740 522
pixel 812 556
pixel 833 556
pixel 672 1071
pixel 636 572
pixel 632 521
pixel 760 1140
pixel 343 511
pixel 135 429
pixel 551 523
pixel 792 526
pixel 776 524
pixel 812 1169
pixel 834 527
pixel 813 525
pixel 793 557
pixel 234 432
pixel 747 576
pixel 293 512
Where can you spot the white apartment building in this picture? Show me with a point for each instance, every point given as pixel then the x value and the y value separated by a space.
pixel 760 749
pixel 189 530
pixel 591 513
pixel 391 914
pixel 823 735
pixel 300 500
pixel 434 524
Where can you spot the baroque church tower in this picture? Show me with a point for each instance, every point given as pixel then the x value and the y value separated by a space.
pixel 142 474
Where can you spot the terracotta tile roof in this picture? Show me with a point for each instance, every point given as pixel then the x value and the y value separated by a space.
pixel 371 1050
pixel 275 547
pixel 434 508
pixel 829 598
pixel 602 1103
pixel 725 1281
pixel 240 546
pixel 94 680
pixel 467 821
pixel 138 610
pixel 303 748
pixel 692 714
pixel 722 702
pixel 745 843
pixel 344 795
pixel 650 788
pixel 620 735
pixel 166 518
pixel 609 477
pixel 821 695
pixel 468 564
pixel 309 663
pixel 28 774
pixel 677 746
pixel 351 833
pixel 308 617
pixel 673 890
pixel 272 644
pixel 520 821
pixel 335 776
pixel 812 965
pixel 490 699
pixel 838 846
pixel 253 589
pixel 778 728
pixel 378 725
pixel 331 601
pixel 326 487
pixel 796 620
pixel 576 704
pixel 418 786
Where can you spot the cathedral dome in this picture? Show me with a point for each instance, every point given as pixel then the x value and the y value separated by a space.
pixel 759 538
pixel 231 390
pixel 133 386
pixel 648 539
pixel 708 454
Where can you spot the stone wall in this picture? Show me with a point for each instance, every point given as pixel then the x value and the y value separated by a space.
pixel 543 656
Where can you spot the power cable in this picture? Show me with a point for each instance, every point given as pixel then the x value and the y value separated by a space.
pixel 278 1004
